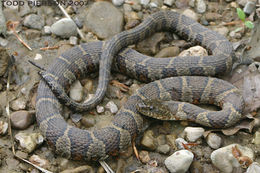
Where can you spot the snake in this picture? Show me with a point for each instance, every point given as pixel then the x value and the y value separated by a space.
pixel 178 78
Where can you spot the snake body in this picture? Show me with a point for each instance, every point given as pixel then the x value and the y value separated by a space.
pixel 84 59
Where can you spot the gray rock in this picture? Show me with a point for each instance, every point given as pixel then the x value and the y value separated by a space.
pixel 179 162
pixel 253 168
pixel 34 21
pixel 179 143
pixel 249 7
pixel 168 52
pixel 144 2
pixel 3 127
pixel 88 122
pixel 168 2
pixel 73 40
pixel 76 91
pixel 24 9
pixel 224 159
pixel 112 107
pixel 256 139
pixel 148 140
pixel 64 28
pixel 4 59
pixel 21 119
pixel 222 30
pixel 193 133
pixel 213 140
pixel 47 30
pixel 75 118
pixel 200 6
pixel 190 13
pixel 29 141
pixel 242 2
pixel 164 149
pixel 118 2
pixel 3 42
pixel 104 19
pixel 18 104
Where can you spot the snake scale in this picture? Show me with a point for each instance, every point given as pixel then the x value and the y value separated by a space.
pixel 84 59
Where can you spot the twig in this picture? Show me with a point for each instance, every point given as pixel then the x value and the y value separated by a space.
pixel 49 48
pixel 232 23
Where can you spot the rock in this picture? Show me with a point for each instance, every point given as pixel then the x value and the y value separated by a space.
pixel 256 139
pixel 253 168
pixel 213 140
pixel 194 51
pixel 73 40
pixel 222 30
pixel 211 17
pixel 4 59
pixel 76 91
pixel 24 9
pixel 38 56
pixel 112 107
pixel 144 2
pixel 168 2
pixel 2 21
pixel 64 28
pixel 79 169
pixel 168 52
pixel 249 7
pixel 179 143
pixel 3 127
pixel 29 141
pixel 32 34
pixel 193 133
pixel 88 122
pixel 242 2
pixel 118 2
pixel 18 104
pixel 35 159
pixel 179 162
pixel 34 21
pixel 164 149
pixel 100 109
pixel 104 19
pixel 200 6
pixel 75 117
pixel 46 30
pixel 144 156
pixel 148 140
pixel 3 42
pixel 225 161
pixel 88 85
pixel 191 14
pixel 171 140
pixel 133 88
pixel 21 119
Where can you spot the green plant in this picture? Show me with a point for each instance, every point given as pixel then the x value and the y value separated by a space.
pixel 242 16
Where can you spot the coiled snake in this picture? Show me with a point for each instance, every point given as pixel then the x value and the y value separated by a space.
pixel 81 60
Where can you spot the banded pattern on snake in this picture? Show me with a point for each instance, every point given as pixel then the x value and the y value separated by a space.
pixel 81 60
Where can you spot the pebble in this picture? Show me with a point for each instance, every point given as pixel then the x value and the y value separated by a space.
pixel 249 7
pixel 104 19
pixel 75 118
pixel 193 133
pixel 118 2
pixel 225 161
pixel 191 14
pixel 4 58
pixel 76 91
pixel 29 141
pixel 222 30
pixel 144 156
pixel 3 127
pixel 179 162
pixel 112 107
pixel 18 104
pixel 168 52
pixel 194 51
pixel 47 30
pixel 100 109
pixel 64 28
pixel 73 40
pixel 145 2
pixel 38 56
pixel 148 140
pixel 242 2
pixel 256 139
pixel 211 17
pixel 171 140
pixel 35 159
pixel 200 6
pixel 21 119
pixel 168 2
pixel 88 122
pixel 164 149
pixel 133 88
pixel 3 42
pixel 179 143
pixel 34 21
pixel 213 140
pixel 253 168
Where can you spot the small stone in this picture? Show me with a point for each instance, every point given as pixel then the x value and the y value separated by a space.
pixel 133 88
pixel 211 17
pixel 256 139
pixel 100 109
pixel 213 140
pixel 12 4
pixel 127 8
pixel 234 5
pixel 253 168
pixel 168 2
pixel 64 28
pixel 222 30
pixel 179 162
pixel 148 140
pixel 47 30
pixel 235 34
pixel 64 164
pixel 76 91
pixel 200 6
pixel 3 127
pixel 112 107
pixel 171 140
pixel 29 141
pixel 73 40
pixel 249 7
pixel 118 2
pixel 4 59
pixel 179 143
pixel 35 159
pixel 21 119
pixel 34 21
pixel 89 85
pixel 168 52
pixel 153 5
pixel 224 159
pixel 76 118
pixel 88 122
pixel 32 34
pixel 3 42
pixel 192 3
pixel 18 104
pixel 164 149
pixel 144 156
pixel 194 51
pixel 144 2
pixel 193 133
pixel 242 2
pixel 191 14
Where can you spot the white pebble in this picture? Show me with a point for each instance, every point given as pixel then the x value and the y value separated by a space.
pixel 253 168
pixel 100 109
pixel 168 2
pixel 193 133
pixel 214 141
pixel 73 40
pixel 118 2
pixel 179 162
pixel 38 56
pixel 29 141
pixel 112 107
pixel 179 143
pixel 144 2
pixel 201 6
pixel 76 91
pixel 3 127
pixel 47 30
